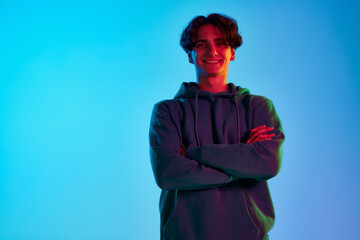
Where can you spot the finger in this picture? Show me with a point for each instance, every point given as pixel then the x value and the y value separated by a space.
pixel 182 151
pixel 261 137
pixel 257 128
pixel 266 136
pixel 258 138
pixel 265 130
pixel 262 129
pixel 254 139
pixel 269 135
pixel 258 131
pixel 252 136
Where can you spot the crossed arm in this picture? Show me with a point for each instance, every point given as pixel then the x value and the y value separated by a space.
pixel 257 134
pixel 208 166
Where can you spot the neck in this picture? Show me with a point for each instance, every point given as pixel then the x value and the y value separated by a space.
pixel 213 84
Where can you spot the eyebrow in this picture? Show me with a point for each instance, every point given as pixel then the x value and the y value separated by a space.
pixel 200 41
pixel 216 40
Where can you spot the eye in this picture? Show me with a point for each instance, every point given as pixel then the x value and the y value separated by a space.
pixel 221 43
pixel 200 45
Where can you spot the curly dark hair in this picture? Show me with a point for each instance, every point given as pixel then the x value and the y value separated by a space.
pixel 227 26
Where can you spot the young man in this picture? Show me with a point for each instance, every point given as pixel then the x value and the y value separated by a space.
pixel 214 146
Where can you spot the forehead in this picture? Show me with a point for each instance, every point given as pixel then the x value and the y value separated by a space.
pixel 208 32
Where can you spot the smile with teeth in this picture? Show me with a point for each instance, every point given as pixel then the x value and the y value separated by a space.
pixel 212 61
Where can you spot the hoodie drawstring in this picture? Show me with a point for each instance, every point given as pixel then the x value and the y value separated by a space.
pixel 238 120
pixel 196 118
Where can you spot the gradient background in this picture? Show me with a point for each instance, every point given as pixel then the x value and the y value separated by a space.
pixel 78 80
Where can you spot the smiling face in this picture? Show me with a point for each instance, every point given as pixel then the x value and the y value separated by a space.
pixel 211 54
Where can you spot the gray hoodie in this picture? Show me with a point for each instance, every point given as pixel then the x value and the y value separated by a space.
pixel 216 189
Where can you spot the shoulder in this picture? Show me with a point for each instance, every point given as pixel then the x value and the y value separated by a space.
pixel 263 107
pixel 256 100
pixel 168 107
pixel 167 103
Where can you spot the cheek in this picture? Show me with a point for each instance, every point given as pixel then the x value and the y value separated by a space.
pixel 225 53
pixel 197 60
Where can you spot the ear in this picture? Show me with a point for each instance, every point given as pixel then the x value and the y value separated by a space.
pixel 232 58
pixel 190 58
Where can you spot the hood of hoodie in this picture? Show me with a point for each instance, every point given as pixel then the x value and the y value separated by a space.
pixel 191 90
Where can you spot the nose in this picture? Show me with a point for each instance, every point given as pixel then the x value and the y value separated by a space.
pixel 212 50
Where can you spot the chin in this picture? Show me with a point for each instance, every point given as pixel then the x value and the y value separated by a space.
pixel 213 72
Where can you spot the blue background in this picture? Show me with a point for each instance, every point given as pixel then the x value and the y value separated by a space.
pixel 78 80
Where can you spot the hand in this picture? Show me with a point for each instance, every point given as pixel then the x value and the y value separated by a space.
pixel 259 134
pixel 182 151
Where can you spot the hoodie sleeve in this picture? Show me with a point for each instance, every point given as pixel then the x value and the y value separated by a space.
pixel 260 161
pixel 171 170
